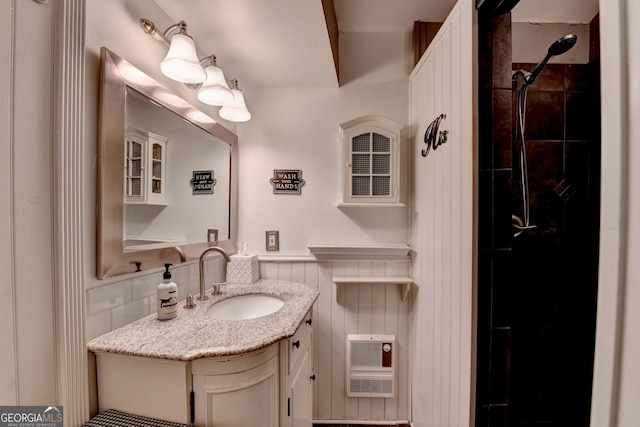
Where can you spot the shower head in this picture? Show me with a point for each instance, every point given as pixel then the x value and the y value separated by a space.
pixel 560 46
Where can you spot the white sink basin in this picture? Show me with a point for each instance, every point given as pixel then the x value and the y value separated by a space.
pixel 243 307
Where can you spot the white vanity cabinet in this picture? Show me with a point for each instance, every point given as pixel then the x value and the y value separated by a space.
pixel 268 387
pixel 239 391
pixel 296 363
pixel 154 388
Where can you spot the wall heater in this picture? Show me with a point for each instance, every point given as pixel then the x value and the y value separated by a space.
pixel 371 365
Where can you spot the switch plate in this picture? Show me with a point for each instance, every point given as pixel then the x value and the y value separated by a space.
pixel 212 235
pixel 273 241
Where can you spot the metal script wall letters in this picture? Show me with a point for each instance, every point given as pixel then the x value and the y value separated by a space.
pixel 432 137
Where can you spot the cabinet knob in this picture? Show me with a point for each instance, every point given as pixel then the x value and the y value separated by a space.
pixel 308 321
pixel 296 344
pixel 313 377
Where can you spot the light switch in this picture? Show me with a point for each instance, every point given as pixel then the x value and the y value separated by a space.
pixel 273 240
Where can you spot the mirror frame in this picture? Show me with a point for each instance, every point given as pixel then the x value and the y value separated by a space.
pixel 111 259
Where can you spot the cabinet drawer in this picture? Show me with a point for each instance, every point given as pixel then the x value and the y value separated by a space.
pixel 299 342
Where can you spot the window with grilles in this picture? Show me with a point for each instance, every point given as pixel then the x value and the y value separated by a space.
pixel 371 161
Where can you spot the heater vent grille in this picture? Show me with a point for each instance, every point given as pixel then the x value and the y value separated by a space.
pixel 370 365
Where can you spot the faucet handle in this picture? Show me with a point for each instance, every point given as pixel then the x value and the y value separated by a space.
pixel 216 289
pixel 189 302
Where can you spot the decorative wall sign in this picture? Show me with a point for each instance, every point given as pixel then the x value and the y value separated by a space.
pixel 287 181
pixel 203 182
pixel 432 137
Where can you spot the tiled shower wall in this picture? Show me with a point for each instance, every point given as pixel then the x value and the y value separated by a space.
pixel 537 292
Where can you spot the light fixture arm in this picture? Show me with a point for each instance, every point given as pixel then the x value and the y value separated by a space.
pixel 209 60
pixel 150 28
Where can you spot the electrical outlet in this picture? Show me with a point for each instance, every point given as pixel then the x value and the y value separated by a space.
pixel 273 241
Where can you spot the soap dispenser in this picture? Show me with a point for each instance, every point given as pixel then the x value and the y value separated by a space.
pixel 167 296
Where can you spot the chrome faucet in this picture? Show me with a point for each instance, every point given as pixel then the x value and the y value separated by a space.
pixel 203 295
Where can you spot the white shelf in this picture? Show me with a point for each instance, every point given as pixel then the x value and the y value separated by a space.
pixel 341 252
pixel 370 205
pixel 403 281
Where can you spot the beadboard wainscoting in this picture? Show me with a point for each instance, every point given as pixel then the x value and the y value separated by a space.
pixel 353 308
pixel 444 230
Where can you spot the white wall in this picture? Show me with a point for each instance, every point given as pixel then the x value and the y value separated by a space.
pixel 443 236
pixel 297 128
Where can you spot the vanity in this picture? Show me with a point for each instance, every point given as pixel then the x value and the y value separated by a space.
pixel 208 370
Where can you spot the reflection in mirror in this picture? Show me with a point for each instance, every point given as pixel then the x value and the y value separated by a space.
pixel 166 175
pixel 162 152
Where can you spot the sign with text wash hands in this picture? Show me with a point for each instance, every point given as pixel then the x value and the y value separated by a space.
pixel 287 181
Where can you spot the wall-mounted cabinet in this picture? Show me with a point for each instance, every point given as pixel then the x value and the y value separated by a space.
pixel 371 159
pixel 145 168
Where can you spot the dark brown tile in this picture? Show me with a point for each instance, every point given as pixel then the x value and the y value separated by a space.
pixel 577 77
pixel 551 78
pixel 502 209
pixel 485 209
pixel 500 365
pixel 502 127
pixel 579 116
pixel 501 46
pixel 503 281
pixel 545 115
pixel 485 128
pixel 485 283
pixel 498 416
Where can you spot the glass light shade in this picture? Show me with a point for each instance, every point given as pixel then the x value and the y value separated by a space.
pixel 181 63
pixel 215 90
pixel 236 111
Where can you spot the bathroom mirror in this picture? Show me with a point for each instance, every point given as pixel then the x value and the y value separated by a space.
pixel 191 162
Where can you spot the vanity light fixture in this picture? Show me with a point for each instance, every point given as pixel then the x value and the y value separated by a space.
pixel 215 90
pixel 181 63
pixel 237 110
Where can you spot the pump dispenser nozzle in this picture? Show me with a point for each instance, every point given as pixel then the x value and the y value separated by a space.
pixel 167 273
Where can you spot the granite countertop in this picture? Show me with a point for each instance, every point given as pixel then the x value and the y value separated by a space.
pixel 192 335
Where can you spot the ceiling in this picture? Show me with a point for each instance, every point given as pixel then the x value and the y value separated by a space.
pixel 278 43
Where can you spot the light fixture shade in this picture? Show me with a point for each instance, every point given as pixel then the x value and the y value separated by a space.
pixel 215 90
pixel 181 63
pixel 236 111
